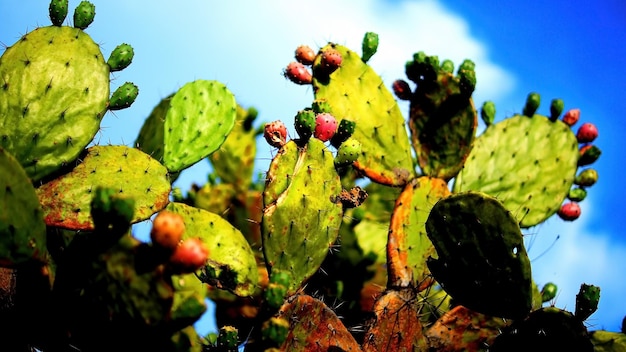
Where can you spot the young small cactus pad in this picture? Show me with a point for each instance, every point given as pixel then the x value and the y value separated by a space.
pixel 482 262
pixel 66 200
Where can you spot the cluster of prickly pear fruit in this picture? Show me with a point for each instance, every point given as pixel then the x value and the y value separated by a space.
pixel 427 255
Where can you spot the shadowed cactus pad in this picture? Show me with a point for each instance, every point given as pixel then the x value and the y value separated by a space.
pixel 482 262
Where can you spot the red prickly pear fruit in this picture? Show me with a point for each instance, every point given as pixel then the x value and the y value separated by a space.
pixel 571 117
pixel 401 89
pixel 331 60
pixel 587 133
pixel 305 55
pixel 275 133
pixel 569 211
pixel 325 126
pixel 167 230
pixel 189 256
pixel 298 73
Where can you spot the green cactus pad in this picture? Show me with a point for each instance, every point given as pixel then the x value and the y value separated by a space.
pixel 358 94
pixel 608 341
pixel 22 229
pixel 482 262
pixel 408 246
pixel 300 221
pixel 396 326
pixel 462 329
pixel 232 265
pixel 442 120
pixel 67 199
pixel 187 126
pixel 58 10
pixel 124 96
pixel 233 162
pixel 84 14
pixel 529 163
pixel 53 94
pixel 314 327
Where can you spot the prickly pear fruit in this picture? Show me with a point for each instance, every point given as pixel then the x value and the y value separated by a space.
pixel 569 211
pixel 556 108
pixel 532 104
pixel 121 57
pixel 548 292
pixel 167 230
pixel 369 46
pixel 275 133
pixel 124 96
pixel 58 11
pixel 276 330
pixel 577 194
pixel 587 133
pixel 84 14
pixel 298 73
pixel 571 117
pixel 401 89
pixel 331 61
pixel 305 55
pixel 344 131
pixel 488 112
pixel 305 123
pixel 587 301
pixel 228 338
pixel 586 178
pixel 348 152
pixel 189 256
pixel 325 126
pixel 588 154
pixel 320 106
pixel 111 211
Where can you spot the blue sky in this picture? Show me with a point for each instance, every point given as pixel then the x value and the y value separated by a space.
pixel 558 49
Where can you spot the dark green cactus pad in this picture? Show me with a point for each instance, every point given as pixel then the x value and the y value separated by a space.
pixel 67 199
pixel 462 329
pixel 22 229
pixel 232 265
pixel 187 126
pixel 84 14
pixel 233 162
pixel 529 163
pixel 546 329
pixel 189 294
pixel 300 220
pixel 442 120
pixel 58 10
pixel 608 341
pixel 396 325
pixel 358 94
pixel 314 327
pixel 408 246
pixel 482 262
pixel 53 94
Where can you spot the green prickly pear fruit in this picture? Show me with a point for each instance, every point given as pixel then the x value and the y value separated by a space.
pixel 369 46
pixel 321 106
pixel 588 154
pixel 344 131
pixel 447 66
pixel 556 108
pixel 467 77
pixel 586 178
pixel 587 301
pixel 571 117
pixel 276 330
pixel 488 112
pixel 277 288
pixel 532 104
pixel 348 152
pixel 124 96
pixel 305 124
pixel 548 292
pixel 110 211
pixel 228 338
pixel 401 89
pixel 569 211
pixel 121 57
pixel 58 11
pixel 577 194
pixel 305 55
pixel 84 14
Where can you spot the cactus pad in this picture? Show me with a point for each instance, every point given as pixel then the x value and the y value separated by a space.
pixel 66 200
pixel 54 89
pixel 355 92
pixel 22 229
pixel 529 163
pixel 482 262
pixel 232 265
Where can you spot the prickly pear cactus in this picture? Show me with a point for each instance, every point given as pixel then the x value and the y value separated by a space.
pixel 53 96
pixel 134 174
